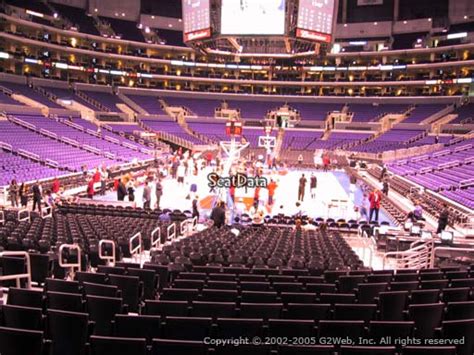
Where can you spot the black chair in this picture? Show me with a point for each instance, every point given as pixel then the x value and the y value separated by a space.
pixel 404 286
pixel 178 347
pixel 91 277
pixel 367 350
pixel 367 293
pixel 321 288
pixel 183 294
pixel 111 270
pixel 297 297
pixel 424 296
pixel 216 295
pixel 92 289
pixel 130 287
pixel 429 350
pixel 255 286
pixel 347 284
pixel 305 349
pixel 40 267
pixel 54 285
pixel 65 301
pixel 460 294
pixel 235 328
pixel 333 298
pixel 22 317
pixel 185 328
pixel 166 308
pixel 68 331
pixel 188 284
pixel 392 305
pixel 25 297
pixel 261 310
pixel 102 311
pixel 462 330
pixel 21 342
pixel 307 311
pixel 365 312
pixel 213 309
pixel 117 346
pixel 286 328
pixel 460 310
pixel 147 327
pixel 149 280
pixel 259 297
pixel 427 317
pixel 222 285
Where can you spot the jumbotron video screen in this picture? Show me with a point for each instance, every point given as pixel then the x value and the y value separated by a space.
pixel 315 19
pixel 197 22
pixel 253 17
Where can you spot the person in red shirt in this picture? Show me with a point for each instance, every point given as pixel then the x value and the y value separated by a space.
pixel 271 191
pixel 96 177
pixel 90 188
pixel 375 198
pixel 326 162
pixel 56 186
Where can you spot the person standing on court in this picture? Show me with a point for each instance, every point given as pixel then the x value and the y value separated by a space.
pixel 301 187
pixel 375 198
pixel 313 184
pixel 158 193
pixel 37 195
pixel 146 195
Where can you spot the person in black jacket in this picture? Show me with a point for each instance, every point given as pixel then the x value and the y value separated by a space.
pixel 218 215
pixel 37 196
pixel 443 219
pixel 121 191
pixel 195 207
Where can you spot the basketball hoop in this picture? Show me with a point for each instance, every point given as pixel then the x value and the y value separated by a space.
pixel 268 130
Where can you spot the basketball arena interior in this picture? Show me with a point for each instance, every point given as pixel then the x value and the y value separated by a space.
pixel 262 177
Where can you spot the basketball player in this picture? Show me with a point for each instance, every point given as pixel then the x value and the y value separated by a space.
pixel 301 187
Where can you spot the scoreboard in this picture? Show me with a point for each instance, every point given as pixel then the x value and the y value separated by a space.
pixel 315 20
pixel 197 21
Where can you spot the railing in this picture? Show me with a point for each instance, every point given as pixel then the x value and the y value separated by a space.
pixel 70 265
pixel 417 257
pixel 20 276
pixel 156 237
pixel 25 218
pixel 47 212
pixel 135 251
pixel 109 259
pixel 171 232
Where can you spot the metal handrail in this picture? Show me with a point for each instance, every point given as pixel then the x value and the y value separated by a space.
pixel 433 254
pixel 109 259
pixel 70 265
pixel 170 236
pixel 27 218
pixel 138 248
pixel 156 242
pixel 47 212
pixel 18 277
pixel 417 257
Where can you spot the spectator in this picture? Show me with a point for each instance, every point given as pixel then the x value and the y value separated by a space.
pixel 56 186
pixel 131 190
pixel 218 215
pixel 37 196
pixel 375 198
pixel 121 190
pixel 313 184
pixel 146 195
pixel 195 207
pixel 385 187
pixel 90 188
pixel 301 187
pixel 271 191
pixel 23 192
pixel 13 192
pixel 300 160
pixel 443 219
pixel 158 193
